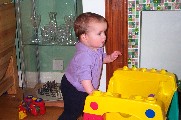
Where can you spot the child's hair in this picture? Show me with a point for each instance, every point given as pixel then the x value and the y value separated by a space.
pixel 82 22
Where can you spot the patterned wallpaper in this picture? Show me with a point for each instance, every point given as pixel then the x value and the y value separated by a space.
pixel 134 9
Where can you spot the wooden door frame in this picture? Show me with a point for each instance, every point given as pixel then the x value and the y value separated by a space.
pixel 116 13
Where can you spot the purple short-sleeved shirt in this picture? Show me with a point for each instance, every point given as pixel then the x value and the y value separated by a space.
pixel 85 65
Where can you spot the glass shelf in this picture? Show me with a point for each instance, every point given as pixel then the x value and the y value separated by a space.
pixel 49 43
pixel 46 33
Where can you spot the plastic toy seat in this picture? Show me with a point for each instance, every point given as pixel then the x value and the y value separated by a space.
pixel 133 94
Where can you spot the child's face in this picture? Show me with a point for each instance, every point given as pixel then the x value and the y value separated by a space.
pixel 95 36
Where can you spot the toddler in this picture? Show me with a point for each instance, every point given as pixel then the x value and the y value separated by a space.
pixel 82 75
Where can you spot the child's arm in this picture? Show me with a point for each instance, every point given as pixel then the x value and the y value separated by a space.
pixel 111 57
pixel 87 84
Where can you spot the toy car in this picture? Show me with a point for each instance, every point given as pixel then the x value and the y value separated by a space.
pixel 34 105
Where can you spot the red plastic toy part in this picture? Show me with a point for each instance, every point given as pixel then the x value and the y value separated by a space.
pixel 94 105
pixel 34 105
pixel 88 116
pixel 38 106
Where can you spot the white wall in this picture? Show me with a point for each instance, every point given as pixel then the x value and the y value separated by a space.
pixel 97 6
pixel 161 41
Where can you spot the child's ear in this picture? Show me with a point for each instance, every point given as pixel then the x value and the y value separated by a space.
pixel 83 37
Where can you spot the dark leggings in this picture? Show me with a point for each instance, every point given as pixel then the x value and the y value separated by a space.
pixel 74 101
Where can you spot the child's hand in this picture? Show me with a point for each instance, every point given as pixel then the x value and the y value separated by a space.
pixel 114 55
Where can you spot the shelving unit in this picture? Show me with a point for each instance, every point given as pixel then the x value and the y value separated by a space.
pixel 46 32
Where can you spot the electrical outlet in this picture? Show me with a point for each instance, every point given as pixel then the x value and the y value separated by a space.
pixel 58 65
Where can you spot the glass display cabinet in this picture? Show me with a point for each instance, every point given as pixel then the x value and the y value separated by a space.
pixel 47 39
